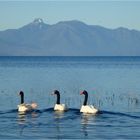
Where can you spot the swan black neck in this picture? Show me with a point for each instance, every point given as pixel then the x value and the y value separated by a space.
pixel 86 98
pixel 22 97
pixel 58 97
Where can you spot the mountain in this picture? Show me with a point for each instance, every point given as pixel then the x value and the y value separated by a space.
pixel 68 38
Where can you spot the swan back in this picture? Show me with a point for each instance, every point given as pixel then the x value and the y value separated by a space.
pixel 27 107
pixel 88 109
pixel 24 107
pixel 60 107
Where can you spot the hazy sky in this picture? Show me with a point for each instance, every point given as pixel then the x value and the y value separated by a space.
pixel 111 14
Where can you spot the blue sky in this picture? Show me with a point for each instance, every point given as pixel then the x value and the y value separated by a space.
pixel 110 14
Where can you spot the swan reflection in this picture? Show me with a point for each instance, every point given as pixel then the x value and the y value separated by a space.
pixel 86 120
pixel 23 119
pixel 58 115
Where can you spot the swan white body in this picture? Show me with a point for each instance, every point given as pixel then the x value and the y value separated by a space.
pixel 88 109
pixel 26 107
pixel 60 107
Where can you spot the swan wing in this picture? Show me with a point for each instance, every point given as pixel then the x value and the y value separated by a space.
pixel 25 107
pixel 60 107
pixel 88 109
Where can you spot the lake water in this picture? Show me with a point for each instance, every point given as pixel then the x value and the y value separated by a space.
pixel 113 84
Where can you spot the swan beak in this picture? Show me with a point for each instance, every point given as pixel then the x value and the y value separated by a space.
pixel 52 93
pixel 81 93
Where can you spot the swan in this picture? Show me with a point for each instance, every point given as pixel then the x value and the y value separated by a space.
pixel 87 108
pixel 23 107
pixel 58 106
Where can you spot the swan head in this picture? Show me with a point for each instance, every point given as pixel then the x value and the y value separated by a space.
pixel 56 92
pixel 84 92
pixel 21 93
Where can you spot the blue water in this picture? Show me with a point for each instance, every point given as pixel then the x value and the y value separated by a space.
pixel 113 84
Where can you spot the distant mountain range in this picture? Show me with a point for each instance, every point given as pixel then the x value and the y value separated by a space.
pixel 68 38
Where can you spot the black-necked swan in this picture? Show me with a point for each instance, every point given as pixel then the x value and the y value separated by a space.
pixel 23 107
pixel 87 108
pixel 58 106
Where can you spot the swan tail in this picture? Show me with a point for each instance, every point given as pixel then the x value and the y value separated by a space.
pixel 34 105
